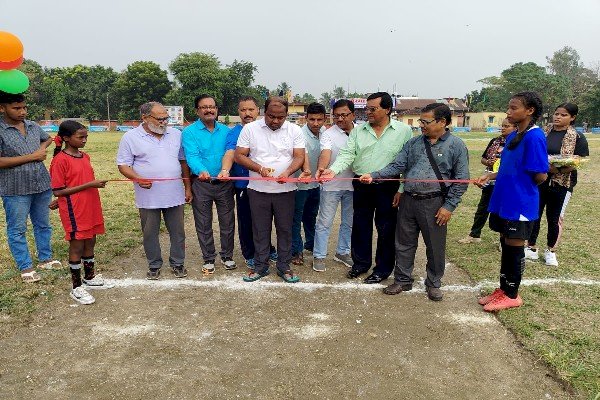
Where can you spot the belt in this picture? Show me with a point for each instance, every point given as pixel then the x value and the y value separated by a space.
pixel 424 196
pixel 212 181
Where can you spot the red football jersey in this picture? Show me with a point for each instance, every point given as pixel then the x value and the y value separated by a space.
pixel 80 211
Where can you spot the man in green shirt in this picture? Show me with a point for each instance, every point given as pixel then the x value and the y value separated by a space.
pixel 370 147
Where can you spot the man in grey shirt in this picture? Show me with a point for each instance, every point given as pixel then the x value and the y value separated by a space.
pixel 426 207
pixel 25 185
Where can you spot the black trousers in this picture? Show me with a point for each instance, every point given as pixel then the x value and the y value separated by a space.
pixel 244 219
pixel 267 208
pixel 374 202
pixel 554 199
pixel 481 215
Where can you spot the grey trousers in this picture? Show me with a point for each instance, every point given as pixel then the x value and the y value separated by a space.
pixel 416 216
pixel 221 193
pixel 173 218
pixel 264 208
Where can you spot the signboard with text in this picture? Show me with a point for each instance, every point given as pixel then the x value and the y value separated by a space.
pixel 175 115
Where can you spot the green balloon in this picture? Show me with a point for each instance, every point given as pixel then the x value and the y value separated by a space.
pixel 13 81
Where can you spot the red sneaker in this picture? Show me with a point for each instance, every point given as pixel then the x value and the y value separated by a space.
pixel 503 302
pixel 491 297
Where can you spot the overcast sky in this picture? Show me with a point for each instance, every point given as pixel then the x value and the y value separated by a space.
pixel 434 48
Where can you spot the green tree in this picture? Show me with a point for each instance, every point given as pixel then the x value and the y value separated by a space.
pixel 282 90
pixel 339 93
pixel 355 95
pixel 198 73
pixel 590 106
pixel 194 74
pixel 325 99
pixel 141 81
pixel 519 77
pixel 237 82
pixel 566 63
pixel 308 98
pixel 86 89
pixel 46 94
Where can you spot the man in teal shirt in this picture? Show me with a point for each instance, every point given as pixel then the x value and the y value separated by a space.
pixel 370 147
pixel 204 144
pixel 308 194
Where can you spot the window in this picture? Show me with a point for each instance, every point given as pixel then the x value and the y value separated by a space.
pixel 491 119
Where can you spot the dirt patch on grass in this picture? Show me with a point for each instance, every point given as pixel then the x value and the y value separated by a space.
pixel 217 337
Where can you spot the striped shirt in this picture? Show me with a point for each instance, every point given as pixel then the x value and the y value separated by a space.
pixel 28 178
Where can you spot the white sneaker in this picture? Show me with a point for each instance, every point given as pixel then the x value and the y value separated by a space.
pixel 531 254
pixel 80 295
pixel 52 264
pixel 550 258
pixel 97 282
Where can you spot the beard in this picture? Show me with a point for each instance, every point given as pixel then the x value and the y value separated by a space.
pixel 159 130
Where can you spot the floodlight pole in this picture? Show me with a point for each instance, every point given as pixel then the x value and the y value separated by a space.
pixel 108 112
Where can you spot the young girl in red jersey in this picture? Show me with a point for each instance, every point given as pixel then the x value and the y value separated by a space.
pixel 73 182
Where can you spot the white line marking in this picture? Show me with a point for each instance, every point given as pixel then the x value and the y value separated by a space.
pixel 237 284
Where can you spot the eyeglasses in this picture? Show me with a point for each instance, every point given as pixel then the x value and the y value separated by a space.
pixel 372 109
pixel 425 122
pixel 165 119
pixel 204 108
pixel 341 115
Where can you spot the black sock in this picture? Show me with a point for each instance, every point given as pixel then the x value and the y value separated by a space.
pixel 75 267
pixel 88 267
pixel 503 265
pixel 515 266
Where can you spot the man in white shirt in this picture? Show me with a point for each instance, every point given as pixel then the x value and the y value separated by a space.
pixel 273 149
pixel 337 191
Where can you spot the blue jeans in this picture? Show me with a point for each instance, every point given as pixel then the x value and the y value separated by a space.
pixel 305 213
pixel 327 211
pixel 17 209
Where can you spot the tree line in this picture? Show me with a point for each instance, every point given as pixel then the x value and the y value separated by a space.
pixel 92 91
pixel 564 79
pixel 89 91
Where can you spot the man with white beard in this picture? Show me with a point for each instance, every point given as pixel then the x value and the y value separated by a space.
pixel 154 150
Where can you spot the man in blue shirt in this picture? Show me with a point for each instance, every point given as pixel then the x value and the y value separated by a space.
pixel 204 146
pixel 248 111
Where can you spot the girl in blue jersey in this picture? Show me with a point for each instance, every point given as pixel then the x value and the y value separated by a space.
pixel 514 206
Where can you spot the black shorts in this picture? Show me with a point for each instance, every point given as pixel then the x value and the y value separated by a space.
pixel 511 229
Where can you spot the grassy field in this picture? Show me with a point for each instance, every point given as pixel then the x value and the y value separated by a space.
pixel 560 323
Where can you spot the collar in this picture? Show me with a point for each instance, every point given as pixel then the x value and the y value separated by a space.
pixel 263 124
pixel 201 125
pixel 443 138
pixel 312 135
pixel 340 130
pixel 5 125
pixel 394 124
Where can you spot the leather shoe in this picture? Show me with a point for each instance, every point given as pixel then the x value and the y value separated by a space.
pixel 353 274
pixel 434 294
pixel 374 278
pixel 397 288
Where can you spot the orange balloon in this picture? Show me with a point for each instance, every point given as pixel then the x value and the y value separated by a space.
pixel 6 65
pixel 11 47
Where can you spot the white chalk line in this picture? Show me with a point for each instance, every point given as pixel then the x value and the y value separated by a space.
pixel 237 284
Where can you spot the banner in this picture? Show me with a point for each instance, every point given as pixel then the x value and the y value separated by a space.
pixel 175 115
